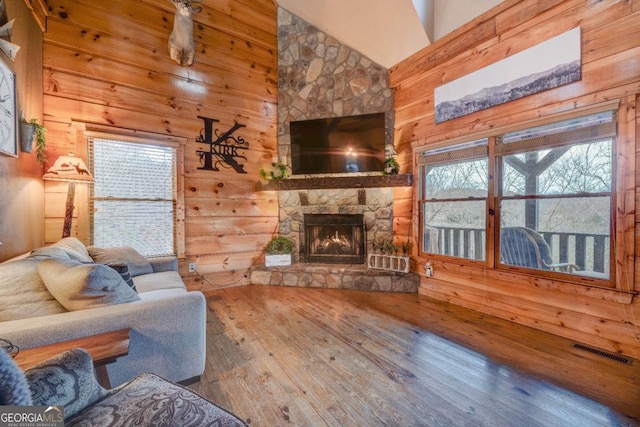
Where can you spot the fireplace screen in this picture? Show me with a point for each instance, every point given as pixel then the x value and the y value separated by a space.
pixel 334 238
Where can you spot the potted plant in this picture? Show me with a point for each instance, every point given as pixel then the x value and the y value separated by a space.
pixel 278 251
pixel 30 130
pixel 391 166
pixel 278 171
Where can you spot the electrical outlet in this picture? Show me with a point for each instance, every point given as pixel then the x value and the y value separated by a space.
pixel 428 269
pixel 192 267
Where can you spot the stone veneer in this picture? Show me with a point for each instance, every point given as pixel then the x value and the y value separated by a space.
pixel 376 206
pixel 320 77
pixel 336 277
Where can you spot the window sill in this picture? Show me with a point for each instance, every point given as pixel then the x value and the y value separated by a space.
pixel 457 271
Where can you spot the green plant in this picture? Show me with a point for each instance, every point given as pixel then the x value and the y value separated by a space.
pixel 406 247
pixel 278 171
pixel 41 141
pixel 385 246
pixel 391 166
pixel 279 245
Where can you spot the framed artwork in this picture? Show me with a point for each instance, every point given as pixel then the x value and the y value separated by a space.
pixel 8 111
pixel 552 63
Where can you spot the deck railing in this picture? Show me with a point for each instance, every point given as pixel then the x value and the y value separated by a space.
pixel 586 250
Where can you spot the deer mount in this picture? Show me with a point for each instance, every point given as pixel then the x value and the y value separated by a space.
pixel 6 28
pixel 181 46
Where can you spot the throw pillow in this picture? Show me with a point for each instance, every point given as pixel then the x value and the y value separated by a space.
pixel 23 293
pixel 82 286
pixel 123 271
pixel 74 248
pixel 137 263
pixel 14 389
pixel 66 380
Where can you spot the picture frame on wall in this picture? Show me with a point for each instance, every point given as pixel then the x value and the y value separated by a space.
pixel 8 111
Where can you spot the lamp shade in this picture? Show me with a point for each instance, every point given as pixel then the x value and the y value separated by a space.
pixel 68 168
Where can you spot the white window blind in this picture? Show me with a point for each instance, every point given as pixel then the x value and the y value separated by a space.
pixel 134 195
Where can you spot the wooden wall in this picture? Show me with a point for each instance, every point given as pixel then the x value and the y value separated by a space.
pixel 21 191
pixel 607 319
pixel 107 63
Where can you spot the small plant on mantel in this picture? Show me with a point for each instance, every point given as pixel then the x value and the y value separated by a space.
pixel 391 166
pixel 278 171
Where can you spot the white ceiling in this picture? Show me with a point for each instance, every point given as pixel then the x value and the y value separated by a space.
pixel 386 31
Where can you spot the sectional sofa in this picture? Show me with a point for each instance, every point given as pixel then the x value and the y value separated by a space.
pixel 67 291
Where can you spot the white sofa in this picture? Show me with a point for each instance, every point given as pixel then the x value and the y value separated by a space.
pixel 167 323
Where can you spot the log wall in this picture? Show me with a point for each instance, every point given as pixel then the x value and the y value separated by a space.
pixel 609 319
pixel 21 191
pixel 107 64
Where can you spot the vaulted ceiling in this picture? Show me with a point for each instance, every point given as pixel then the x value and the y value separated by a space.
pixel 387 31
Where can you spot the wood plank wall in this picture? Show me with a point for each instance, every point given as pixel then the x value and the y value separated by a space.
pixel 107 63
pixel 611 71
pixel 21 191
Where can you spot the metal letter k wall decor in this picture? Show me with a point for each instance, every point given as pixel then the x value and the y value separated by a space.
pixel 224 151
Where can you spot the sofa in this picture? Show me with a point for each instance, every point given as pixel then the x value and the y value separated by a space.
pixel 65 387
pixel 67 291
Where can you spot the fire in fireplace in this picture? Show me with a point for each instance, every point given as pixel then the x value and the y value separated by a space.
pixel 334 238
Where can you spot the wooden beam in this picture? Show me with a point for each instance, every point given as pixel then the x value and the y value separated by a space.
pixel 39 11
pixel 375 181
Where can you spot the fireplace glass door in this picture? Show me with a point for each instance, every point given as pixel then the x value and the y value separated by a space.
pixel 334 238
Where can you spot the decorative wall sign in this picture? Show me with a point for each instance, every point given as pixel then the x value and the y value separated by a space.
pixel 8 111
pixel 550 64
pixel 224 151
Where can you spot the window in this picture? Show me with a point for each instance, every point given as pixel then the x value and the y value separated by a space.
pixel 134 196
pixel 550 210
pixel 455 184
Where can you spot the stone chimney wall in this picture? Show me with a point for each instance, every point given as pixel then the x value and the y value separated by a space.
pixel 320 77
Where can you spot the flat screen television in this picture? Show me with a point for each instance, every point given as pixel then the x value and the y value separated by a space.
pixel 338 144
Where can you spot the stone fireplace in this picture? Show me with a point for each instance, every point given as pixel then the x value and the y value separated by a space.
pixel 363 215
pixel 319 221
pixel 334 239
pixel 318 77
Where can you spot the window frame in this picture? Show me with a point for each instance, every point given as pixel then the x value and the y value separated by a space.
pixel 146 138
pixel 622 191
pixel 474 152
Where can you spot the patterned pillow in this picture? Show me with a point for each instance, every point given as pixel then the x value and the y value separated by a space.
pixel 149 400
pixel 66 380
pixel 13 385
pixel 80 286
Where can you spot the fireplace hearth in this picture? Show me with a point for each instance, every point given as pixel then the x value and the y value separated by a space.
pixel 334 238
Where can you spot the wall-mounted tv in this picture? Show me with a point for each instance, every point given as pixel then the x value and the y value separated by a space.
pixel 338 144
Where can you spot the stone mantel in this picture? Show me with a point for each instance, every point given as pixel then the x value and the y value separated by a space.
pixel 372 181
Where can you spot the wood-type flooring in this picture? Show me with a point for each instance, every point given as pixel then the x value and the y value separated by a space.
pixel 282 356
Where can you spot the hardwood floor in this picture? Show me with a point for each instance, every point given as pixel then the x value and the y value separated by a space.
pixel 281 356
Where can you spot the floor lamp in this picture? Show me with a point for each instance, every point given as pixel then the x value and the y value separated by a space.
pixel 71 169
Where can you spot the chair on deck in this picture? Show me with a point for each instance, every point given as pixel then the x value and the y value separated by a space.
pixel 527 248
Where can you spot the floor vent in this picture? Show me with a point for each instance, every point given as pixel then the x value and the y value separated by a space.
pixel 612 356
